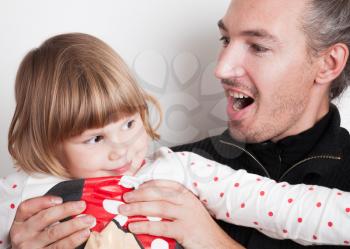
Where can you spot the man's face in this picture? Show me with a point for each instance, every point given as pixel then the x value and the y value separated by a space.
pixel 265 68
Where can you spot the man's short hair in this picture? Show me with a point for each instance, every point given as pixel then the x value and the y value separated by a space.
pixel 327 22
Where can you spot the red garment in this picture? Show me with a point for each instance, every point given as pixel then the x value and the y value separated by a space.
pixel 103 195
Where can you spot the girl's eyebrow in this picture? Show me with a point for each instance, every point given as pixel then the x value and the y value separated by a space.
pixel 91 132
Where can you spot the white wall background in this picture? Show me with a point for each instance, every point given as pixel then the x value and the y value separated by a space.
pixel 171 45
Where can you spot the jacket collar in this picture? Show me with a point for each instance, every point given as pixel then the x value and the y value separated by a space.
pixel 325 139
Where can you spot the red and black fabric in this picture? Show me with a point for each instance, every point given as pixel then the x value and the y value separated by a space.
pixel 103 196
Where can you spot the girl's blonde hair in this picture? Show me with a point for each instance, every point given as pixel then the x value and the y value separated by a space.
pixel 71 83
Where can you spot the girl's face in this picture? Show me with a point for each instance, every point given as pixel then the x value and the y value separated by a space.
pixel 115 149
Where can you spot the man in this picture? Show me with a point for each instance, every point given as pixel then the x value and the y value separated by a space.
pixel 281 64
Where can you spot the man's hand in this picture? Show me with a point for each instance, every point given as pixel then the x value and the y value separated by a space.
pixel 36 224
pixel 191 224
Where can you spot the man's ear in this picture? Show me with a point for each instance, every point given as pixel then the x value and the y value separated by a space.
pixel 332 63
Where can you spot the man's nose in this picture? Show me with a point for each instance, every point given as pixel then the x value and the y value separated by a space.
pixel 230 63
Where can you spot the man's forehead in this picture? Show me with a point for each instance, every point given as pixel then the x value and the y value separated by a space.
pixel 262 18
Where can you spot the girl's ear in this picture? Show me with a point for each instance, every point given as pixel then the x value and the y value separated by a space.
pixel 332 63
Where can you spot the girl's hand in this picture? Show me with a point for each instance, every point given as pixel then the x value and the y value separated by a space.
pixel 191 225
pixel 36 224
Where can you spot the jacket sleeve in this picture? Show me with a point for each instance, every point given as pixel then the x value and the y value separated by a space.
pixel 303 213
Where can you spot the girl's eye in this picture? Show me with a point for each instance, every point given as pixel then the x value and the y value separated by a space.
pixel 225 40
pixel 128 125
pixel 94 140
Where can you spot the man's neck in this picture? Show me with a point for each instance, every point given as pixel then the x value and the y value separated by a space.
pixel 314 111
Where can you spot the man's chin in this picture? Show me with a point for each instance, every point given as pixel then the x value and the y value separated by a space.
pixel 242 136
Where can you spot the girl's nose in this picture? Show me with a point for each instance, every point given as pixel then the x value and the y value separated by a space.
pixel 117 153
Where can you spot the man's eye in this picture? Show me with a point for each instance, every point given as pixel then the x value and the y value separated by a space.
pixel 94 140
pixel 128 125
pixel 225 40
pixel 258 48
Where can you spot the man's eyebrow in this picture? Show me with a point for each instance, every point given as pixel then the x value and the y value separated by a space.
pixel 260 33
pixel 221 25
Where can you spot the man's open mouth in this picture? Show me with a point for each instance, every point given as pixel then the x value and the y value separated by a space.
pixel 240 100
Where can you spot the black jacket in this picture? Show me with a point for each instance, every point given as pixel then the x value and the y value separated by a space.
pixel 319 156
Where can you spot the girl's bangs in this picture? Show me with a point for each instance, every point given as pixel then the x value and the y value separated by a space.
pixel 96 105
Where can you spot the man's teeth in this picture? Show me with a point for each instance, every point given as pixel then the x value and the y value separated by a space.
pixel 238 95
pixel 240 100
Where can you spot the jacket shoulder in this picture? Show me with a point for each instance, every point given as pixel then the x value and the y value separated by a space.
pixel 206 147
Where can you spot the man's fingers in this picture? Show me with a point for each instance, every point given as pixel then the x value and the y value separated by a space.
pixel 65 229
pixel 32 206
pixel 161 209
pixel 34 226
pixel 163 184
pixel 55 214
pixel 72 241
pixel 164 228
pixel 152 194
pixel 158 191
pixel 21 230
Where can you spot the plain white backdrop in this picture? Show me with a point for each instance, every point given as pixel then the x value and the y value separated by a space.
pixel 171 46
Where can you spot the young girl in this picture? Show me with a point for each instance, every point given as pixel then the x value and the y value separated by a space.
pixel 80 114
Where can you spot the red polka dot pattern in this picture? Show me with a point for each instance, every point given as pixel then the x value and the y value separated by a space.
pixel 103 196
